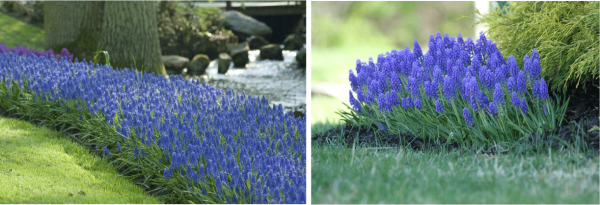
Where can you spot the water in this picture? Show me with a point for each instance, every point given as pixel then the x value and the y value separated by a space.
pixel 279 81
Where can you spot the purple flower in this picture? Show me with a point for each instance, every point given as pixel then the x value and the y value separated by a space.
pixel 498 94
pixel 492 108
pixel 106 150
pixel 438 106
pixel 118 145
pixel 413 86
pixel 395 82
pixel 543 89
pixel 545 108
pixel 535 88
pixel 431 89
pixel 467 116
pixel 437 74
pixel 449 87
pixel 418 103
pixel 358 66
pixel 535 55
pixel 511 84
pixel 501 73
pixel 353 81
pixel 527 65
pixel 417 50
pixel 524 106
pixel 521 82
pixel 355 104
pixel 382 102
pixel 515 100
pixel 536 70
pixel 369 97
pixel 392 99
pixel 486 77
pixel 407 102
pixel 512 66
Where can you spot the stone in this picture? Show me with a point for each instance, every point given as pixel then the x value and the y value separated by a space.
pixel 175 63
pixel 198 64
pixel 255 42
pixel 301 58
pixel 271 51
pixel 224 63
pixel 293 42
pixel 245 26
pixel 239 54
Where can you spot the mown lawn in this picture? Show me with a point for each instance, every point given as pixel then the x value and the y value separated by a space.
pixel 342 174
pixel 14 32
pixel 40 166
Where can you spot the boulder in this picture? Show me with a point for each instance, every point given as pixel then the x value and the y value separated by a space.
pixel 271 51
pixel 198 65
pixel 245 26
pixel 175 63
pixel 301 58
pixel 239 54
pixel 293 42
pixel 224 62
pixel 255 42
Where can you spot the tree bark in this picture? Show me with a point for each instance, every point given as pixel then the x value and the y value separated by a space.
pixel 126 30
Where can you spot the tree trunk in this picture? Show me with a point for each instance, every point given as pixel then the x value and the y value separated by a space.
pixel 126 30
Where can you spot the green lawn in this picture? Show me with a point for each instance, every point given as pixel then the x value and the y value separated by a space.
pixel 402 175
pixel 15 32
pixel 40 166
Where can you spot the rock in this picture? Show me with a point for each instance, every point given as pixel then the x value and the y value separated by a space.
pixel 239 54
pixel 301 58
pixel 271 51
pixel 224 62
pixel 255 42
pixel 293 42
pixel 245 26
pixel 175 63
pixel 198 65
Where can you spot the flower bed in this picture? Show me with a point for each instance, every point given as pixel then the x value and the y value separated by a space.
pixel 461 91
pixel 185 141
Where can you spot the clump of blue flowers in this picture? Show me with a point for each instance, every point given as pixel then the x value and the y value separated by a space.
pixel 458 90
pixel 191 141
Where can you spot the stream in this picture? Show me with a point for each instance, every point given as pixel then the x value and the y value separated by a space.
pixel 281 82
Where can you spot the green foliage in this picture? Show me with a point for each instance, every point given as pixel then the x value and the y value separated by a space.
pixel 450 126
pixel 98 59
pixel 41 166
pixel 564 33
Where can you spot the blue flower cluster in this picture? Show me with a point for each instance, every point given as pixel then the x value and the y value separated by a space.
pixel 237 140
pixel 454 68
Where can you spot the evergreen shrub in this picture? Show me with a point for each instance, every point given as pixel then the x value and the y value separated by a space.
pixel 565 34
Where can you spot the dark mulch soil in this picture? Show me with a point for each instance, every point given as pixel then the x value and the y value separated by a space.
pixel 582 114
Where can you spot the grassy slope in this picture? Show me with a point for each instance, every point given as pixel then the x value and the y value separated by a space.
pixel 38 166
pixel 15 32
pixel 398 175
